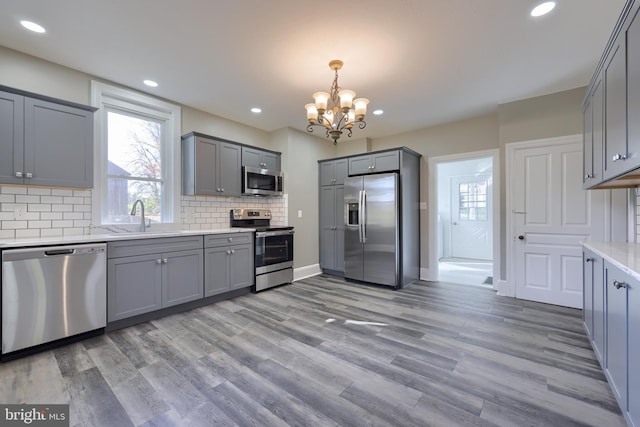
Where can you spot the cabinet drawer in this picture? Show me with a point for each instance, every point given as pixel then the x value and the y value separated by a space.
pixel 126 248
pixel 217 240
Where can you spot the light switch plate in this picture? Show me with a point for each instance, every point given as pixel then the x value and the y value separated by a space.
pixel 300 213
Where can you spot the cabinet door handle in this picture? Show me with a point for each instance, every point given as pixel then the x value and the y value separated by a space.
pixel 589 260
pixel 165 260
pixel 222 190
pixel 618 156
pixel 158 261
pixel 231 239
pixel 233 251
pixel 228 252
pixel 18 174
pixel 619 285
pixel 588 176
pixel 29 175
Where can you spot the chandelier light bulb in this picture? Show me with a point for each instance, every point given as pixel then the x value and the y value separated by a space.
pixel 346 99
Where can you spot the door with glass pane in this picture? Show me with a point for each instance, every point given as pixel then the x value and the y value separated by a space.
pixel 471 216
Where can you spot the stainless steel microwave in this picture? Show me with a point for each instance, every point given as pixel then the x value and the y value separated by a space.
pixel 261 182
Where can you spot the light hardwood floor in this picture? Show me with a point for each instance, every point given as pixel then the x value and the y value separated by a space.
pixel 441 355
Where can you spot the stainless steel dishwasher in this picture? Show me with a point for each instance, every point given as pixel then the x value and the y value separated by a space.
pixel 53 292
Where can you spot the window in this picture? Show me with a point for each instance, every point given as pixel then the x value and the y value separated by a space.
pixel 473 201
pixel 137 156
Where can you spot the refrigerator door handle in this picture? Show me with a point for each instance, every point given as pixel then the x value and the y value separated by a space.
pixel 360 216
pixel 364 216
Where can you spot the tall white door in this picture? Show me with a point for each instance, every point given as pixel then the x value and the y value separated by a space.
pixel 471 217
pixel 551 214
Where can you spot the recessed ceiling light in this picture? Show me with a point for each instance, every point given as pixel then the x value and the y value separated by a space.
pixel 32 26
pixel 150 83
pixel 543 8
pixel 378 112
pixel 256 110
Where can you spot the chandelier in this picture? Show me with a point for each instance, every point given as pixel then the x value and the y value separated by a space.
pixel 336 111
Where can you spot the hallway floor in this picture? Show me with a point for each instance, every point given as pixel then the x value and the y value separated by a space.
pixel 466 271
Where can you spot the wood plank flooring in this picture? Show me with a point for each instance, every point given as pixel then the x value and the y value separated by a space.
pixel 439 355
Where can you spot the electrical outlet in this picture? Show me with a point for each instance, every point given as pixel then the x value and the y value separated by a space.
pixel 20 211
pixel 300 213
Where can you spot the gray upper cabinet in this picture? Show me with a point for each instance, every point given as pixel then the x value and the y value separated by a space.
pixel 615 89
pixel 386 161
pixel 44 142
pixel 262 159
pixel 612 104
pixel 333 172
pixel 633 91
pixel 593 136
pixel 11 137
pixel 210 167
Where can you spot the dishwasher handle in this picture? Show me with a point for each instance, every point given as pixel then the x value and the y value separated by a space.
pixel 60 252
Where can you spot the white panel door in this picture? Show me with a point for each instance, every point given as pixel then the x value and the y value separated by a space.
pixel 551 214
pixel 471 217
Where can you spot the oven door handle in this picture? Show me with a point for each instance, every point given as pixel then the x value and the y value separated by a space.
pixel 273 233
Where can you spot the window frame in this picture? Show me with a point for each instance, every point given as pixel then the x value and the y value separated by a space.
pixel 111 98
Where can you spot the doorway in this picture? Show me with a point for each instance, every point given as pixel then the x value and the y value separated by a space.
pixel 463 197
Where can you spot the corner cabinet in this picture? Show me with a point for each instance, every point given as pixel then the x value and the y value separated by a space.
pixel 228 263
pixel 210 166
pixel 44 141
pixel 262 159
pixel 149 274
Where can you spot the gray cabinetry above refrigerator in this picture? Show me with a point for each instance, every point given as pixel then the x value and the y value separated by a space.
pixel 384 161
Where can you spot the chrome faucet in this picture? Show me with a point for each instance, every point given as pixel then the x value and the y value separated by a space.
pixel 133 213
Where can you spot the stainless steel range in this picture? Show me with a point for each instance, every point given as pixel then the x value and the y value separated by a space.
pixel 273 247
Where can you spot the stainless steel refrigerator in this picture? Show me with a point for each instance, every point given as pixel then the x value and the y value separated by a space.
pixel 372 229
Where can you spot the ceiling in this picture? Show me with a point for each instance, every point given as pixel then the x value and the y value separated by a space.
pixel 423 62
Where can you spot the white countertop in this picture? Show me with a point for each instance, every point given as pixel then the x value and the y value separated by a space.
pixel 625 256
pixel 94 238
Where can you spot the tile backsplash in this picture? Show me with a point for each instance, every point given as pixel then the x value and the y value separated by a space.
pixel 44 212
pixel 53 212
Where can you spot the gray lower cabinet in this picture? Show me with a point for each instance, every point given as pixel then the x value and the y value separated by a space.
pixel 587 292
pixel 615 364
pixel 386 161
pixel 633 353
pixel 45 143
pixel 228 263
pixel 148 274
pixel 210 166
pixel 599 308
pixel 262 159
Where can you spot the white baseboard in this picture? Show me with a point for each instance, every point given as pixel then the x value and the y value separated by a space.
pixel 504 289
pixel 306 271
pixel 425 274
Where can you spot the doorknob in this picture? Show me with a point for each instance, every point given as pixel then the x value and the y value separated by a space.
pixel 455 223
pixel 521 237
